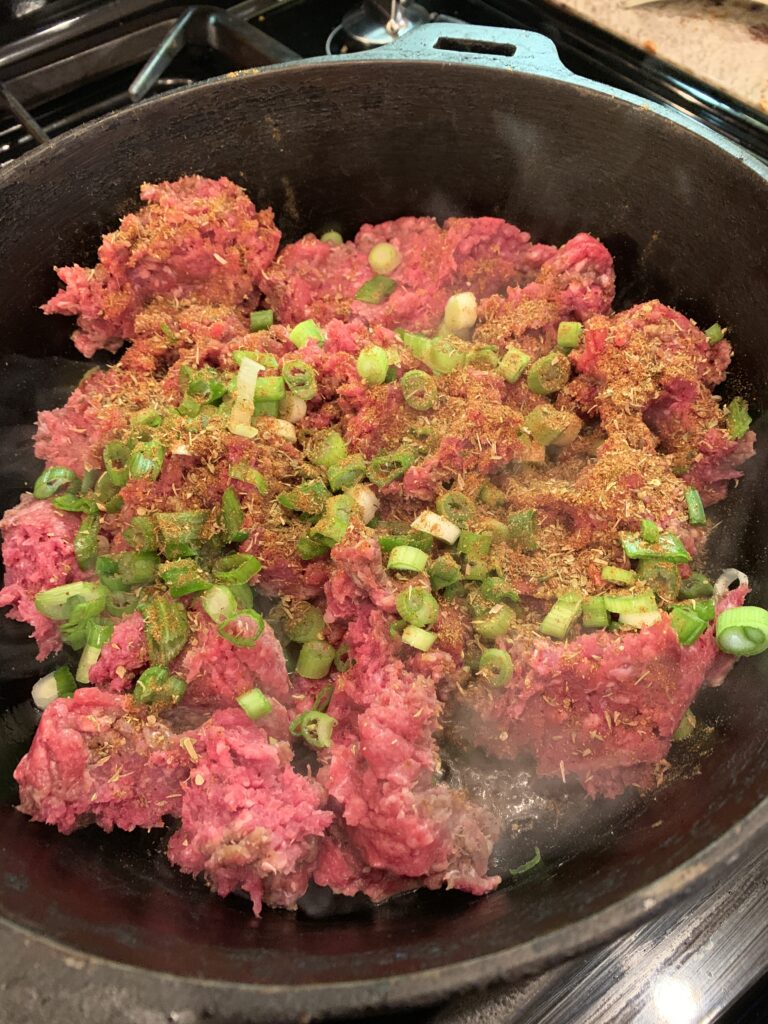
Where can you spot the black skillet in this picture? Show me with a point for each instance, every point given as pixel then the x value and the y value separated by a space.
pixel 450 121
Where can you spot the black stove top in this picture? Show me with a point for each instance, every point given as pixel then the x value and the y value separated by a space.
pixel 63 62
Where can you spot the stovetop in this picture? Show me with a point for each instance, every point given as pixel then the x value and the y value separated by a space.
pixel 63 62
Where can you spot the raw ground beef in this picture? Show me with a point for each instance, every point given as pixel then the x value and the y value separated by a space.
pixel 195 239
pixel 217 672
pixel 602 707
pixel 99 757
pixel 122 657
pixel 38 553
pixel 248 820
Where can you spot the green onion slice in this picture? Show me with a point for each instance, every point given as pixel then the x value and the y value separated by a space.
pixel 303 332
pixel 570 334
pixel 115 456
pixel 418 638
pixel 325 448
pixel 166 628
pixel 315 728
pixel 376 290
pixel 236 568
pixel 513 364
pixel 561 616
pixel 384 469
pixel 53 480
pixel 243 629
pixel 219 603
pixel 419 390
pixel 372 364
pixel 255 704
pixel 146 460
pixel 407 558
pixel 262 319
pixel 737 418
pixel 495 667
pixel 300 378
pixel 668 548
pixel 63 602
pixel 742 631
pixel 529 865
pixel 417 606
pixel 696 514
pixel 156 685
pixel 549 374
pixel 315 659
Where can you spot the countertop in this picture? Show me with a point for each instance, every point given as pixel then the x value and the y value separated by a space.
pixel 723 42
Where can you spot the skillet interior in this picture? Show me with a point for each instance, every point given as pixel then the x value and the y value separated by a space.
pixel 333 145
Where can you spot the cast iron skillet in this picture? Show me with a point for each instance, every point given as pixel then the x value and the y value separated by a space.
pixel 452 121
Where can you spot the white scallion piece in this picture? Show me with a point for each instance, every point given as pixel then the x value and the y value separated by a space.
pixel 437 526
pixel 292 408
pixel 384 258
pixel 282 428
pixel 44 691
pixel 367 500
pixel 726 578
pixel 460 313
pixel 245 387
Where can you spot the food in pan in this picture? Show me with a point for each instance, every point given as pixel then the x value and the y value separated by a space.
pixel 340 504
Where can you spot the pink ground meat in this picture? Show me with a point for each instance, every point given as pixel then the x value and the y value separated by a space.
pixel 315 279
pixel 99 758
pixel 602 707
pixel 195 238
pixel 217 671
pixel 122 657
pixel 38 553
pixel 248 820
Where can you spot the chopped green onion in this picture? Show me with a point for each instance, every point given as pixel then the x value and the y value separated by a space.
pixel 53 480
pixel 496 589
pixel 376 290
pixel 315 728
pixel 456 506
pixel 485 357
pixel 300 378
pixel 417 606
pixel 139 534
pixel 183 577
pixel 301 621
pixel 315 659
pixel 107 494
pixel 146 460
pixel 325 448
pixel 207 387
pixel 266 406
pixel 407 558
pixel 495 667
pixel 396 540
pixel 460 313
pixel 437 526
pixel 268 389
pixel 342 660
pixel 331 238
pixel 384 469
pixel 219 603
pixel 243 629
pixel 443 572
pixel 137 568
pixel 662 578
pixel 65 681
pixel 73 503
pixel 60 683
pixel 686 727
pixel 418 344
pixel 474 546
pixel 86 541
pixel 236 568
pixel 372 364
pixel 156 685
pixel 308 549
pixel 445 355
pixel 303 332
pixel 686 624
pixel 649 531
pixel 308 498
pixel 347 473
pixel 523 527
pixel 255 704
pixel 419 390
pixel 189 407
pixel 115 456
pixel 324 695
pixel 179 532
pixel 332 526
pixel 561 616
pixel 243 406
pixel 614 574
pixel 95 637
pixel 495 623
pixel 61 603
pixel 569 335
pixel 262 319
pixel 594 614
pixel 528 865
pixel 513 364
pixel 476 571
pixel 384 258
pixel 696 585
pixel 550 426
pixel 266 359
pixel 169 334
pixel 696 514
pixel 232 517
pixel 492 496
pixel 166 628
pixel 742 631
pixel 623 604
pixel 714 334
pixel 247 474
pixel 549 374
pixel 419 638
pixel 737 418
pixel 146 418
pixel 668 548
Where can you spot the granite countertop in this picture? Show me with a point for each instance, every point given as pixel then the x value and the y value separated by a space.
pixel 723 42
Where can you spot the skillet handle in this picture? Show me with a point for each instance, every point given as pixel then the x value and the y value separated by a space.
pixel 515 49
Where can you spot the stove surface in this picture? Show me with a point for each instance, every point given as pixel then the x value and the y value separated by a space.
pixel 63 62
